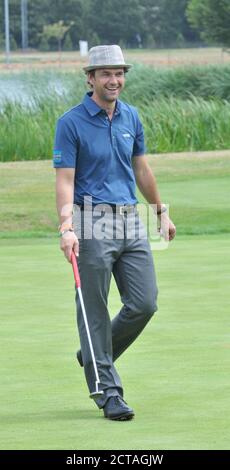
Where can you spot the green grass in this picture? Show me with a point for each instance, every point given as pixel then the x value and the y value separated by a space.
pixel 171 125
pixel 175 125
pixel 179 108
pixel 196 187
pixel 210 81
pixel 32 120
pixel 176 375
pixel 27 204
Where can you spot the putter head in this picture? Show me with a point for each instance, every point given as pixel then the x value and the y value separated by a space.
pixel 96 395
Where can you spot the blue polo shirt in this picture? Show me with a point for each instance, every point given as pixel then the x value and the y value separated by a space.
pixel 100 150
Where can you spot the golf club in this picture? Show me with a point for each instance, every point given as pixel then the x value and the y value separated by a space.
pixel 98 393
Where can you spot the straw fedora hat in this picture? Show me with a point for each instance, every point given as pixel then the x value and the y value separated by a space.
pixel 109 57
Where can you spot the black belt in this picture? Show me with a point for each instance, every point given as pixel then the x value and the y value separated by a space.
pixel 116 208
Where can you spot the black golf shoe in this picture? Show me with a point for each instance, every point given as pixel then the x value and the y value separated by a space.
pixel 117 409
pixel 79 358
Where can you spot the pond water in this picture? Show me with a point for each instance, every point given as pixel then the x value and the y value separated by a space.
pixel 23 90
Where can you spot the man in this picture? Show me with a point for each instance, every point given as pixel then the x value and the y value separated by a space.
pixel 99 158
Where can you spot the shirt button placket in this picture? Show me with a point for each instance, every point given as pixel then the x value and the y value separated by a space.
pixel 113 137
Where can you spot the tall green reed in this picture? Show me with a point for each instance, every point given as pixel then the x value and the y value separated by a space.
pixel 182 109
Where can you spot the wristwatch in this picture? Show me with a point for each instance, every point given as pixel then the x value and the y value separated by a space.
pixel 162 209
pixel 62 232
pixel 64 228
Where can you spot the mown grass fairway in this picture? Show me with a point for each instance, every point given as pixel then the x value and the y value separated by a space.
pixel 176 375
pixel 196 185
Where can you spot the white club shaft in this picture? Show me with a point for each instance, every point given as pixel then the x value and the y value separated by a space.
pixel 89 337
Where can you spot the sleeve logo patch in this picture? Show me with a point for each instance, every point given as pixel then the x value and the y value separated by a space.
pixel 57 156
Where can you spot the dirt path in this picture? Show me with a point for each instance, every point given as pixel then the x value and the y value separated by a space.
pixel 156 57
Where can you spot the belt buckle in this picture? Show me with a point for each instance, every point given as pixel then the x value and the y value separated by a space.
pixel 122 210
pixel 125 210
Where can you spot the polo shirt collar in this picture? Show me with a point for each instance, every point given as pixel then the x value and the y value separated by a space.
pixel 90 104
pixel 93 107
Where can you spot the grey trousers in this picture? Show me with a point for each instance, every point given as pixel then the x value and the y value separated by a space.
pixel 127 256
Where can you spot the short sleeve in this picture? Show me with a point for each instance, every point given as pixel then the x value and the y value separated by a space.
pixel 65 145
pixel 139 142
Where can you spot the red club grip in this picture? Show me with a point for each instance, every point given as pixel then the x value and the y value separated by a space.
pixel 75 270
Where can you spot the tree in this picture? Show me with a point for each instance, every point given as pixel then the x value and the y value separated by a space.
pixel 57 31
pixel 71 12
pixel 2 42
pixel 212 19
pixel 14 23
pixel 166 23
pixel 67 45
pixel 115 20
pixel 131 23
pixel 44 45
pixel 47 12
